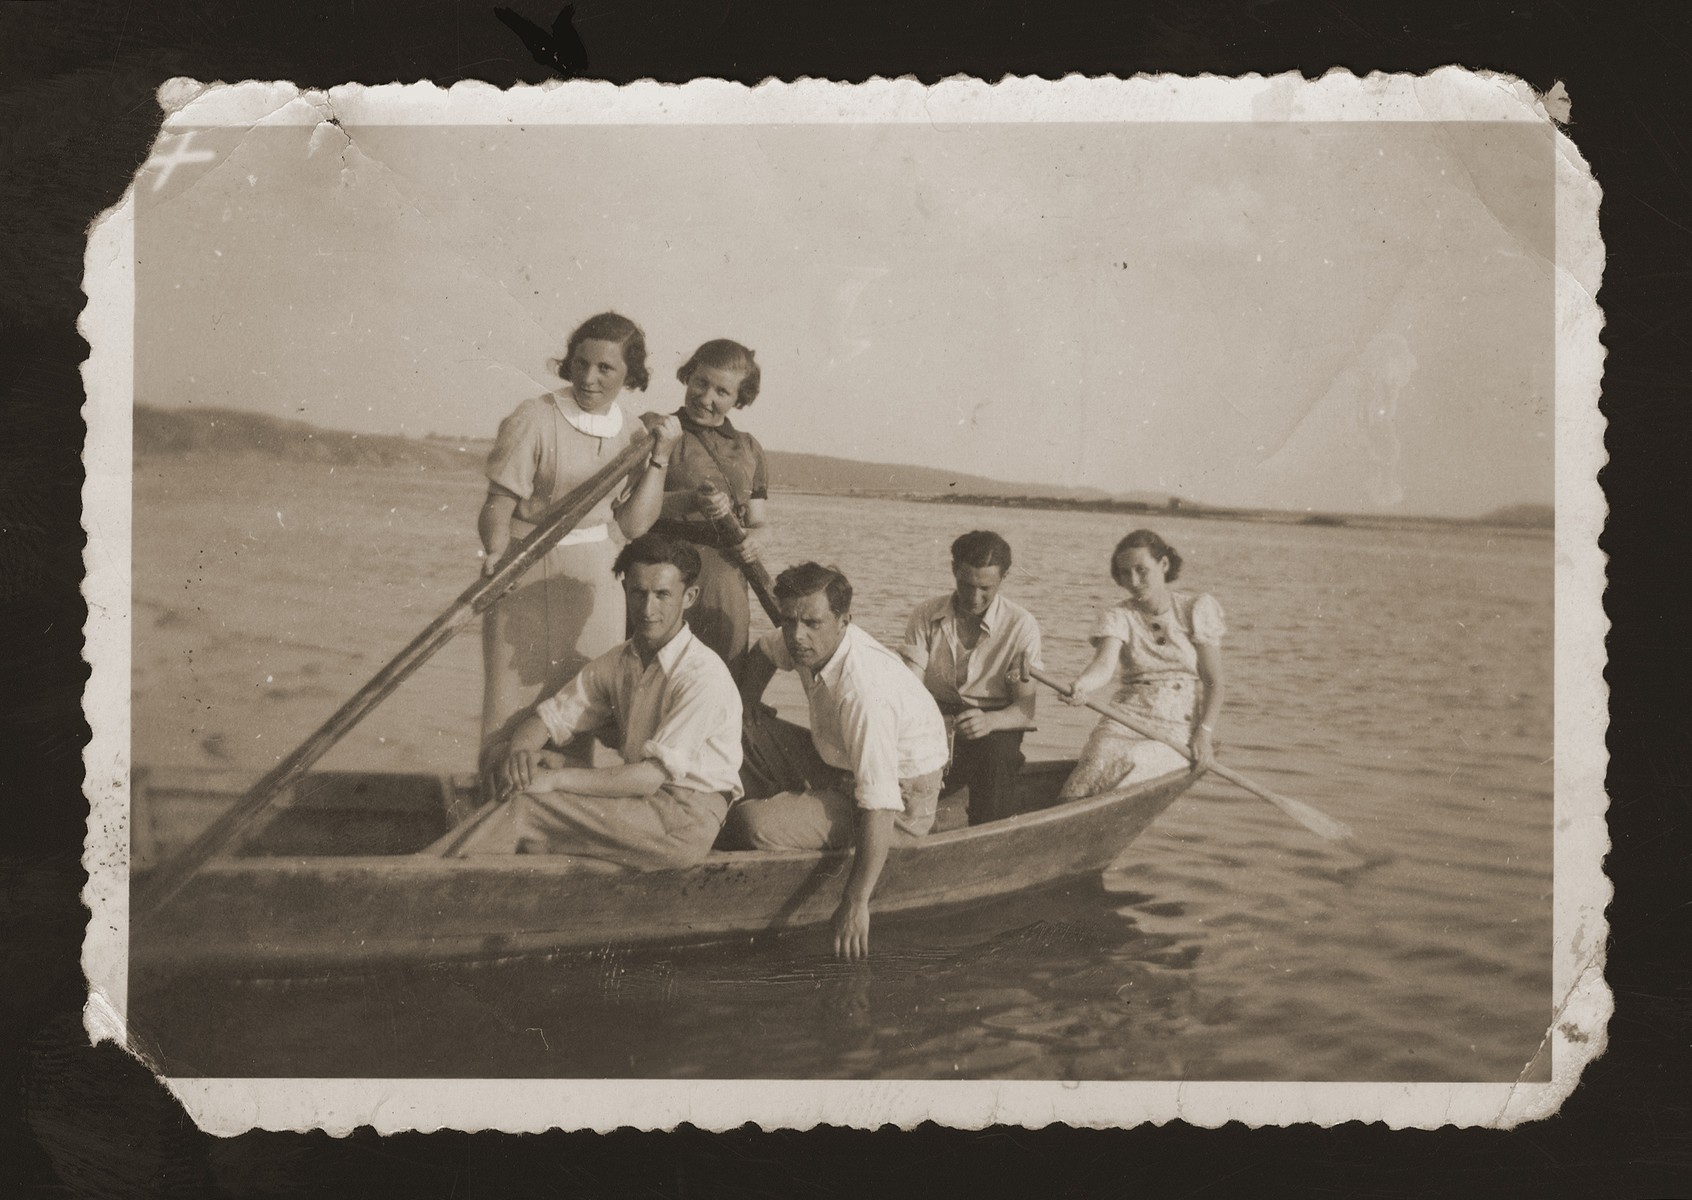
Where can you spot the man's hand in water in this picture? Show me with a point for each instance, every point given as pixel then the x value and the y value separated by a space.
pixel 851 930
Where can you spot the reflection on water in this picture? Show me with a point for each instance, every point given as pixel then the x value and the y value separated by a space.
pixel 1400 681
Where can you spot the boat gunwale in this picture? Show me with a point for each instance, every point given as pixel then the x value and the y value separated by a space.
pixel 560 864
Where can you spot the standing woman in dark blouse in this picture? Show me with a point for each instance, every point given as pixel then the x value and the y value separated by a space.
pixel 720 377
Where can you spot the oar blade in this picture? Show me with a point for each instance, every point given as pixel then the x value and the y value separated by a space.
pixel 1313 819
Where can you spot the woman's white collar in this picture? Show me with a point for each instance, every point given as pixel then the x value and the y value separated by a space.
pixel 601 425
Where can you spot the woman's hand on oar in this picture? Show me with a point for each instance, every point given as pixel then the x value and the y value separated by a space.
pixel 747 553
pixel 713 502
pixel 1069 695
pixel 1202 751
pixel 744 552
pixel 1313 819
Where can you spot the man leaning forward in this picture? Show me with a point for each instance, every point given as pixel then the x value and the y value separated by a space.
pixel 867 774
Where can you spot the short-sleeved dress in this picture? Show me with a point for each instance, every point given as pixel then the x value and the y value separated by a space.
pixel 732 462
pixel 1160 687
pixel 568 608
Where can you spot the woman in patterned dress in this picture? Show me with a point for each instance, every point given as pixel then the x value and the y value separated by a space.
pixel 569 607
pixel 1169 645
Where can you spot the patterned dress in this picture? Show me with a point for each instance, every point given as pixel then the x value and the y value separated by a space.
pixel 733 463
pixel 1160 688
pixel 568 608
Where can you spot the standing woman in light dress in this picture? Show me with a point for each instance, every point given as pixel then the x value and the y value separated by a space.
pixel 569 607
pixel 1169 645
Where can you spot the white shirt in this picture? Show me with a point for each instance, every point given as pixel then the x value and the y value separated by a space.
pixel 977 677
pixel 869 716
pixel 681 712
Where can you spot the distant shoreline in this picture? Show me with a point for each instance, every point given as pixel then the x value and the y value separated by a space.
pixel 225 432
pixel 1532 526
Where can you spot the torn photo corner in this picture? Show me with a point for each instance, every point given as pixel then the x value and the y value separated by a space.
pixel 1334 343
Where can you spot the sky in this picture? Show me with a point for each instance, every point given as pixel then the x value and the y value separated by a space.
pixel 1340 316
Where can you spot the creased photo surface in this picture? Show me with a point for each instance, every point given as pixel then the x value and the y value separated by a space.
pixel 1065 601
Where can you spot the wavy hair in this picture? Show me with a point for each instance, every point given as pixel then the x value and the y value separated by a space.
pixel 656 549
pixel 612 327
pixel 721 354
pixel 809 578
pixel 1145 539
pixel 981 548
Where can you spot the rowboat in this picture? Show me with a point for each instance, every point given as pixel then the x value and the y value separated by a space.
pixel 332 877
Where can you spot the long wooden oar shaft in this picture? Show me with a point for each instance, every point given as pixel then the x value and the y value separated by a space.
pixel 1313 819
pixel 763 587
pixel 550 529
pixel 732 533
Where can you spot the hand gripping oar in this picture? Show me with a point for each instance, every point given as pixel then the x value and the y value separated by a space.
pixel 731 533
pixel 170 877
pixel 1316 821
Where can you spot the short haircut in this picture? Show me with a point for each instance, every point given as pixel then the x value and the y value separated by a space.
pixel 612 327
pixel 981 548
pixel 1146 540
pixel 809 578
pixel 723 355
pixel 657 549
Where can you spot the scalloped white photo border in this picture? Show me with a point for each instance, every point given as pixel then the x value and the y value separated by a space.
pixel 1581 890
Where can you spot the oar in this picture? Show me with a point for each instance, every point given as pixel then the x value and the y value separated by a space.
pixel 731 533
pixel 1313 819
pixel 550 529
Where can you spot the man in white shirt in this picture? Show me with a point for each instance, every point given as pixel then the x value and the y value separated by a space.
pixel 869 773
pixel 969 648
pixel 678 715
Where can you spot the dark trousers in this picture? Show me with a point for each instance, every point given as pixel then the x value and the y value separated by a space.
pixel 988 766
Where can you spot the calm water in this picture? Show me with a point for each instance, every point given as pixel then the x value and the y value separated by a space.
pixel 1400 681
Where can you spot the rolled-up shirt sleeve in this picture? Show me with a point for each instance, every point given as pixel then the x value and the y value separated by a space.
pixel 774 647
pixel 915 649
pixel 582 704
pixel 870 729
pixel 1029 647
pixel 697 718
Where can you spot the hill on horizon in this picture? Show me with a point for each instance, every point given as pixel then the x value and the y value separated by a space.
pixel 826 473
pixel 174 431
pixel 1535 516
pixel 177 431
pixel 229 431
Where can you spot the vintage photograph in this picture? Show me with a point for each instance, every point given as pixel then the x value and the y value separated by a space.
pixel 1064 584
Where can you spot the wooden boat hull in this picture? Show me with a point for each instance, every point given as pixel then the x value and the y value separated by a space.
pixel 282 906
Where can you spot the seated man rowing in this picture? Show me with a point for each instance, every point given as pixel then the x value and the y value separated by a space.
pixel 868 773
pixel 969 648
pixel 678 716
